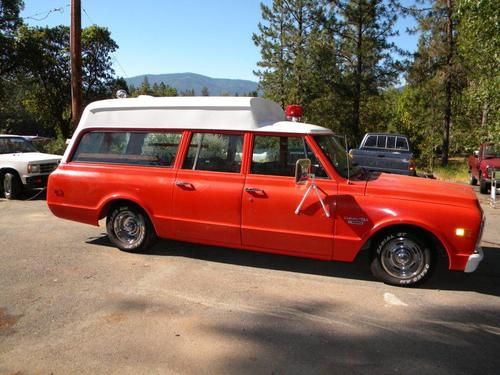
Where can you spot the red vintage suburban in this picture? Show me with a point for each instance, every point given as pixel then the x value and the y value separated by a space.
pixel 233 172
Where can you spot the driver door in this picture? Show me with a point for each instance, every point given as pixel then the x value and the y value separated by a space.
pixel 271 196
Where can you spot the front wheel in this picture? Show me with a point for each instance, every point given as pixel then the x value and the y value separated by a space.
pixel 402 259
pixel 130 229
pixel 12 186
pixel 483 186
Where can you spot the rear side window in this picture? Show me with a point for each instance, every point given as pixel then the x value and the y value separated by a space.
pixel 214 152
pixel 381 141
pixel 371 141
pixel 391 142
pixel 133 148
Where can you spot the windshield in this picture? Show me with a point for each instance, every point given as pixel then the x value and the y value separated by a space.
pixel 11 145
pixel 492 150
pixel 339 158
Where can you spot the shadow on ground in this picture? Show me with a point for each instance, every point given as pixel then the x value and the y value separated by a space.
pixel 485 280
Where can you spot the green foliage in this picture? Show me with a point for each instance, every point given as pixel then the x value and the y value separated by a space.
pixel 97 72
pixel 479 46
pixel 334 58
pixel 40 91
pixel 455 171
pixel 55 146
pixel 9 23
pixel 155 90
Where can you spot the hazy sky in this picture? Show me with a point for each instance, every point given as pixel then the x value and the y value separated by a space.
pixel 213 38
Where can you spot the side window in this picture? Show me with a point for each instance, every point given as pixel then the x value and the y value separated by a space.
pixel 391 142
pixel 274 155
pixel 134 148
pixel 371 141
pixel 381 141
pixel 214 152
pixel 402 144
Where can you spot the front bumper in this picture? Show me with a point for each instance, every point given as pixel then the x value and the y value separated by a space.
pixel 34 182
pixel 474 259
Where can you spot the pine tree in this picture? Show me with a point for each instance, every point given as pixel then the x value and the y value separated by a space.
pixel 366 54
pixel 436 59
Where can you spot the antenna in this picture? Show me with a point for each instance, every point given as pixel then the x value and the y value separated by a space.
pixel 347 160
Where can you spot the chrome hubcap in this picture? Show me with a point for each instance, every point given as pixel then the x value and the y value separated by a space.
pixel 402 258
pixel 129 227
pixel 7 185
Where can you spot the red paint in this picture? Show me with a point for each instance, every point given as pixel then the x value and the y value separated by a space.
pixel 251 211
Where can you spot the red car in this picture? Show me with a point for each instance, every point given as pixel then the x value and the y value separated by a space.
pixel 482 163
pixel 232 172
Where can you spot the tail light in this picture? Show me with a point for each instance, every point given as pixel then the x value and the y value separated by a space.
pixel 412 167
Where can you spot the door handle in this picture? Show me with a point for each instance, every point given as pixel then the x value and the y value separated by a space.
pixel 182 183
pixel 254 190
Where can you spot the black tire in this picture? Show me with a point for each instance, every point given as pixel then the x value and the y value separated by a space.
pixel 472 179
pixel 12 186
pixel 402 259
pixel 130 229
pixel 483 186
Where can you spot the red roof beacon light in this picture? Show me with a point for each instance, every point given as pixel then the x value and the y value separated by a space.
pixel 293 112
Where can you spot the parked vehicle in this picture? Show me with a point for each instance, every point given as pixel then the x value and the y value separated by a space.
pixel 481 164
pixel 22 166
pixel 385 152
pixel 231 172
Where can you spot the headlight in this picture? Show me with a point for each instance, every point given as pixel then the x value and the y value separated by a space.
pixel 33 168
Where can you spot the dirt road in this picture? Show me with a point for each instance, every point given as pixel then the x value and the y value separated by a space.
pixel 70 303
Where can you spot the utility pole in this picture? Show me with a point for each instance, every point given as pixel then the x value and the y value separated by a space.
pixel 76 62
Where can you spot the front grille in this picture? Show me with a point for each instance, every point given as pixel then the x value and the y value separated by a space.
pixel 47 168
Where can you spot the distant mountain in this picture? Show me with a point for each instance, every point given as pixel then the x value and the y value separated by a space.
pixel 191 81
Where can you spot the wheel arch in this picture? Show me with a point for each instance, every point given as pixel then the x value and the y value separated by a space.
pixel 5 170
pixel 110 203
pixel 437 244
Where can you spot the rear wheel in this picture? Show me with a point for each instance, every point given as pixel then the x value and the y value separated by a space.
pixel 130 229
pixel 472 179
pixel 12 186
pixel 402 258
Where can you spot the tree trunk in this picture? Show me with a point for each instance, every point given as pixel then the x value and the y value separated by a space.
pixel 359 72
pixel 484 115
pixel 447 83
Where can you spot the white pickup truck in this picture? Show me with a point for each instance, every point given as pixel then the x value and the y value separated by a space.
pixel 22 166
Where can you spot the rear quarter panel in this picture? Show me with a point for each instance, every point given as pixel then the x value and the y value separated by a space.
pixel 82 191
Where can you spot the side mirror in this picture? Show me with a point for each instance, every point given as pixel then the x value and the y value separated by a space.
pixel 476 153
pixel 302 171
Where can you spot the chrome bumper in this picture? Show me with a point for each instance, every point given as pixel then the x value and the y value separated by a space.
pixel 474 259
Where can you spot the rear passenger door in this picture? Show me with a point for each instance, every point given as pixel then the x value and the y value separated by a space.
pixel 208 188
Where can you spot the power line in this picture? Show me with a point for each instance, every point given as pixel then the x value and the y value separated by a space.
pixel 113 57
pixel 46 14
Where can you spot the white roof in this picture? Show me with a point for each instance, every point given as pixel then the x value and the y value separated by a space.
pixel 190 112
pixel 206 113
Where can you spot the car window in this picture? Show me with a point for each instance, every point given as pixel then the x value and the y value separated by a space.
pixel 11 145
pixel 391 142
pixel 491 150
pixel 402 144
pixel 371 141
pixel 381 141
pixel 134 148
pixel 214 152
pixel 275 155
